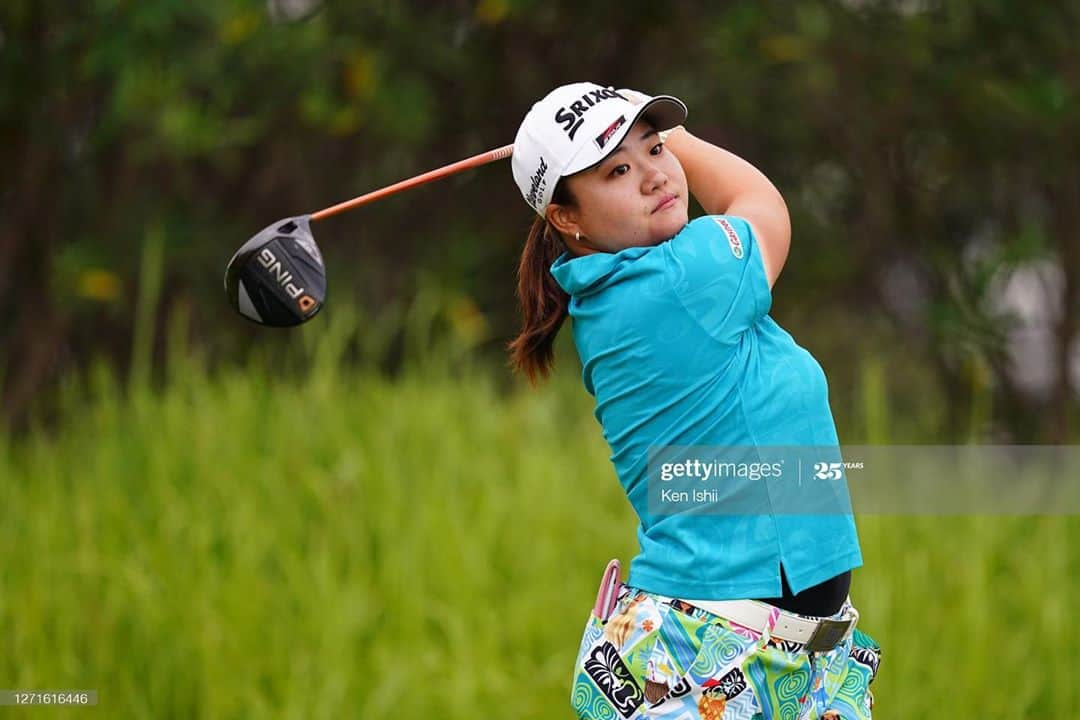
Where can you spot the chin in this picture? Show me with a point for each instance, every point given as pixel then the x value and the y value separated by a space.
pixel 672 226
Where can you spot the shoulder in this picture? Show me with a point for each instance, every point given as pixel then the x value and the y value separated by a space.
pixel 718 275
pixel 725 237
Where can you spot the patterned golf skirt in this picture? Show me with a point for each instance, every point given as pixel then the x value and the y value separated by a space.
pixel 660 657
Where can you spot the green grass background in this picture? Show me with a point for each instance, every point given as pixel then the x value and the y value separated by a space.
pixel 343 544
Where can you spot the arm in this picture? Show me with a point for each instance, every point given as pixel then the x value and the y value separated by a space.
pixel 725 184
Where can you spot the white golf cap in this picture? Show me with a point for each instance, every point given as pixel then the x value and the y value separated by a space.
pixel 573 128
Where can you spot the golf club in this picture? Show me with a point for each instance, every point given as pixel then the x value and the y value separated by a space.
pixel 278 277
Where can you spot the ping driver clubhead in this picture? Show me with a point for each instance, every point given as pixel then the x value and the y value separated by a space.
pixel 277 277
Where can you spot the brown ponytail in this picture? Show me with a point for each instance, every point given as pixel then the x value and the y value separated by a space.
pixel 543 302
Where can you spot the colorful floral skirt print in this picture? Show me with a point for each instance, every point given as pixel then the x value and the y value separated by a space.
pixel 660 657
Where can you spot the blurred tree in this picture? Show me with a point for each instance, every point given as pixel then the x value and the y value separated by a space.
pixel 927 151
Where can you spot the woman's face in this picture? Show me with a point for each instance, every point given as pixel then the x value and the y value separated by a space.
pixel 635 197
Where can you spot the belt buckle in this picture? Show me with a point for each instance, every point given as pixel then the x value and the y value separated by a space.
pixel 829 633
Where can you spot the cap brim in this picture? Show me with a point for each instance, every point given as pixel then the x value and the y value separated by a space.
pixel 663 112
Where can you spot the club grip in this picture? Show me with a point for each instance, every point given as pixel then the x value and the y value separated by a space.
pixel 501 153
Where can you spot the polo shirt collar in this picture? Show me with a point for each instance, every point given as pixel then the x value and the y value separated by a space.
pixel 590 273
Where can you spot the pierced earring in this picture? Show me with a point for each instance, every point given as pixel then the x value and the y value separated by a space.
pixel 577 236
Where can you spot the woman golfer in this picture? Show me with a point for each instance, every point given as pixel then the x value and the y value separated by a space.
pixel 723 615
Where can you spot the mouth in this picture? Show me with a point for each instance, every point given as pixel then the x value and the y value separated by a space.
pixel 668 201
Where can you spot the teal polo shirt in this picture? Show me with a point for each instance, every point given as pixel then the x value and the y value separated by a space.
pixel 678 349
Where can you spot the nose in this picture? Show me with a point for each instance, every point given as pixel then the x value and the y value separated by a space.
pixel 655 178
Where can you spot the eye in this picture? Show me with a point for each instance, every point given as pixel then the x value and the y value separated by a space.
pixel 620 170
pixel 657 149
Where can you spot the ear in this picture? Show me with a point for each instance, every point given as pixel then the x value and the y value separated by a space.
pixel 564 219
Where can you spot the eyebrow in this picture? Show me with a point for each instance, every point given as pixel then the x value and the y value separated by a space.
pixel 645 136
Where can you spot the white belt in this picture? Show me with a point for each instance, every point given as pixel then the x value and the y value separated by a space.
pixel 818 635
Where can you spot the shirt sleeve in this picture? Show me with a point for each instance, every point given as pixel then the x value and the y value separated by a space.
pixel 720 275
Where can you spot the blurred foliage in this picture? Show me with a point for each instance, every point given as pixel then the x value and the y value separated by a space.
pixel 926 150
pixel 250 546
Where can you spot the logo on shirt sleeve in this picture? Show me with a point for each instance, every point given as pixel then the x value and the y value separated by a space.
pixel 732 237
